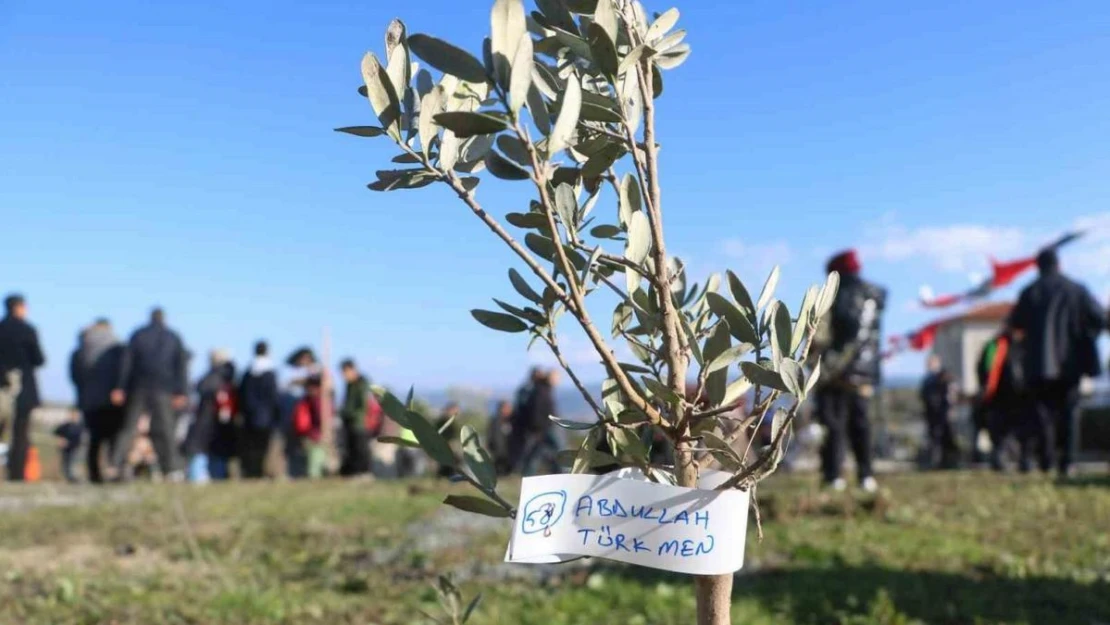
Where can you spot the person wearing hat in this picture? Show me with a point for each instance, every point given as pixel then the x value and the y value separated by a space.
pixel 1060 323
pixel 211 441
pixel 848 343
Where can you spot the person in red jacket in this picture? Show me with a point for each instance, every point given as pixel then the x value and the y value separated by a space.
pixel 308 429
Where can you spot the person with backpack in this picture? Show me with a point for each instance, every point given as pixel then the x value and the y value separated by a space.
pixel 308 457
pixel 356 415
pixel 1002 401
pixel 260 407
pixel 301 367
pixel 848 342
pixel 211 442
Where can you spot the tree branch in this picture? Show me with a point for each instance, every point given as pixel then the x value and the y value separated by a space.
pixel 581 313
pixel 762 417
pixel 554 345
pixel 618 260
pixel 756 466
pixel 673 343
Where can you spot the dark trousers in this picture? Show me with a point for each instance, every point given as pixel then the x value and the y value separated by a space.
pixel 159 405
pixel 1053 424
pixel 1009 420
pixel 980 420
pixel 843 412
pixel 103 425
pixel 356 452
pixel 21 440
pixel 942 439
pixel 255 446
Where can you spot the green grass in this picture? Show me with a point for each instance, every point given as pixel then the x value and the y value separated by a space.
pixel 946 548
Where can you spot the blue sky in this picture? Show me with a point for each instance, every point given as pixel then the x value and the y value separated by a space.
pixel 182 154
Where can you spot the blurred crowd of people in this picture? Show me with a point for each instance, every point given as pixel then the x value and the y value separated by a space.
pixel 1028 379
pixel 138 414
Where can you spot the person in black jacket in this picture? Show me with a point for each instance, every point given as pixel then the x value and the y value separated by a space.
pixel 849 347
pixel 153 380
pixel 936 396
pixel 520 421
pixel 1060 323
pixel 260 405
pixel 94 369
pixel 20 355
pixel 1002 403
pixel 356 438
pixel 540 441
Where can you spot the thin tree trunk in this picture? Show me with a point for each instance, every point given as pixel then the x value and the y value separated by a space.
pixel 713 592
pixel 714 595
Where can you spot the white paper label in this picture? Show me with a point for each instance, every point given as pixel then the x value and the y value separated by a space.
pixel 628 519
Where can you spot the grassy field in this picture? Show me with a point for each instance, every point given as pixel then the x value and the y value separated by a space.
pixel 944 548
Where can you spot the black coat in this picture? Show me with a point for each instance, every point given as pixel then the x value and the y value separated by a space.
pixel 94 369
pixel 208 435
pixel 855 324
pixel 20 350
pixel 155 360
pixel 260 400
pixel 935 395
pixel 535 412
pixel 1061 322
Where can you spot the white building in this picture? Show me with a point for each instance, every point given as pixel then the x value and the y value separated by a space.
pixel 960 340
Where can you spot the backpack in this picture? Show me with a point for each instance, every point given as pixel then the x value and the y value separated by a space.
pixel 226 403
pixel 303 418
pixel 373 415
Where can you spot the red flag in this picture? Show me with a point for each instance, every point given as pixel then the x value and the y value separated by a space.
pixel 1005 273
pixel 923 339
pixel 1002 274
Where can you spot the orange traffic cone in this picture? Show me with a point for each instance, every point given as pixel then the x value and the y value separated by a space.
pixel 32 471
